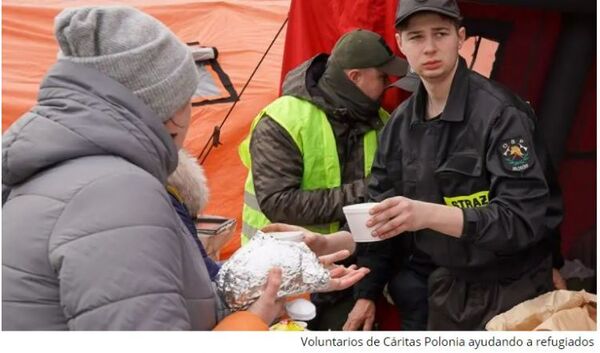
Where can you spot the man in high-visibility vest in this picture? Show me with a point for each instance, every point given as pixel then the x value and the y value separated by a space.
pixel 310 151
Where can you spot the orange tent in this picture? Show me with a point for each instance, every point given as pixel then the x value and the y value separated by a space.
pixel 240 30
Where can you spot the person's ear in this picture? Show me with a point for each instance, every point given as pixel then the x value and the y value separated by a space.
pixel 398 37
pixel 353 75
pixel 462 35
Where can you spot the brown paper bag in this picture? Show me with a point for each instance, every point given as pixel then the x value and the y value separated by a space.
pixel 557 310
pixel 574 319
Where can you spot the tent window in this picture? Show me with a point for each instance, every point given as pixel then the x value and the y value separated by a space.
pixel 215 85
pixel 480 54
pixel 491 36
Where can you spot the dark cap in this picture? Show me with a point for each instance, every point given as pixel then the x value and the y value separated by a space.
pixel 410 7
pixel 360 49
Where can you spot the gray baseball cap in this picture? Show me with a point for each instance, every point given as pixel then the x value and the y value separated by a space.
pixel 406 8
pixel 360 48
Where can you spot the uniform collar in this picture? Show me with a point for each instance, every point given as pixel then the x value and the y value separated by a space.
pixel 457 99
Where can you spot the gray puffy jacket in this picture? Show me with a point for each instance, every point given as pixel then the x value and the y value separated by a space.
pixel 90 240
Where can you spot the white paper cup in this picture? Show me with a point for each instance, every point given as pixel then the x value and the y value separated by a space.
pixel 296 236
pixel 357 216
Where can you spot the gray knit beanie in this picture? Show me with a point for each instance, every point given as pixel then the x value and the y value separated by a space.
pixel 132 48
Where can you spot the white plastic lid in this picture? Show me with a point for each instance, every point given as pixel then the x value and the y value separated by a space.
pixel 289 236
pixel 301 310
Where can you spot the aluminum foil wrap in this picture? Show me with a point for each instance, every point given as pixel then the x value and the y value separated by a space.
pixel 241 279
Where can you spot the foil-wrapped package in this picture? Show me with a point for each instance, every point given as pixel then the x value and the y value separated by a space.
pixel 241 279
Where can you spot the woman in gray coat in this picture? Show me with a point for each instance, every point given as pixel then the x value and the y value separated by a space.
pixel 90 240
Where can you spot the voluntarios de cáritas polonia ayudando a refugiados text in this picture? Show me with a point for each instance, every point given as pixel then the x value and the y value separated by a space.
pixel 475 343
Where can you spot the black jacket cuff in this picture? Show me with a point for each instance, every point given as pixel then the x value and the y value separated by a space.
pixel 470 220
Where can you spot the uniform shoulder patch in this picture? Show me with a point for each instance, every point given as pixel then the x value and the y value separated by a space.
pixel 514 153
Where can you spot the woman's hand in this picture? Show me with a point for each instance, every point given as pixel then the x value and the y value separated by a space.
pixel 268 307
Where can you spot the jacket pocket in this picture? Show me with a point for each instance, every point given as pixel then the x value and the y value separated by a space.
pixel 462 181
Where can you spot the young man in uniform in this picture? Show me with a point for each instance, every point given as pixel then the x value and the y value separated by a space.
pixel 472 205
pixel 310 151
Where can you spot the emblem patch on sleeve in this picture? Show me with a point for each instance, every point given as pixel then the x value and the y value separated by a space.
pixel 515 154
